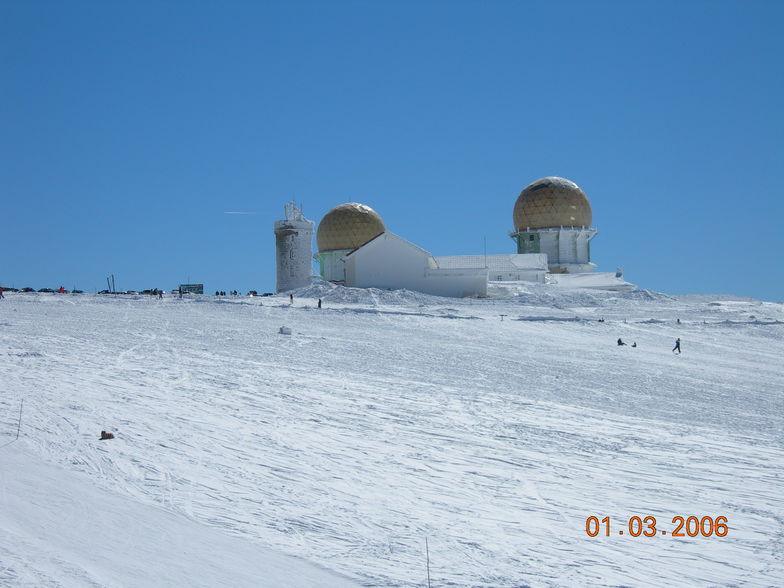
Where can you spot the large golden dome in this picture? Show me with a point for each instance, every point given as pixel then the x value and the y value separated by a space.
pixel 348 226
pixel 552 202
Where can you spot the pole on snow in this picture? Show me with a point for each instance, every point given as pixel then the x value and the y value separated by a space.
pixel 19 426
pixel 427 552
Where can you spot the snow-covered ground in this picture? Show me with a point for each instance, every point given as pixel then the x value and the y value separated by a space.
pixel 325 458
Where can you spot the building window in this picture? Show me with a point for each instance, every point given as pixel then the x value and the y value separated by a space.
pixel 530 237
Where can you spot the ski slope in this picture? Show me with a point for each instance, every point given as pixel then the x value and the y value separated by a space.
pixel 325 458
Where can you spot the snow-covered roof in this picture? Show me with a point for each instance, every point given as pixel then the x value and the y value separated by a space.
pixel 390 236
pixel 509 262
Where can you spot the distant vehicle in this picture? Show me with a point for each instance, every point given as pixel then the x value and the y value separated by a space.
pixel 192 288
pixel 104 292
pixel 130 292
pixel 28 289
pixel 46 290
pixel 5 289
pixel 253 293
pixel 267 294
pixel 77 291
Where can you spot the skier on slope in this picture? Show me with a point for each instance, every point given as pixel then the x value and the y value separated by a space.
pixel 677 346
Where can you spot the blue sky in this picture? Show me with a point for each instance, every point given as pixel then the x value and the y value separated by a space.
pixel 130 128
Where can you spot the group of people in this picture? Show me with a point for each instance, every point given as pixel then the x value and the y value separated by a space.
pixel 223 293
pixel 675 349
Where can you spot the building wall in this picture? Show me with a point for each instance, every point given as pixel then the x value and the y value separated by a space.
pixel 455 283
pixel 516 276
pixel 528 267
pixel 528 243
pixel 293 253
pixel 567 249
pixel 391 262
pixel 331 265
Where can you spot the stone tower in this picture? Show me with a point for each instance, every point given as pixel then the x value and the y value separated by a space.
pixel 293 249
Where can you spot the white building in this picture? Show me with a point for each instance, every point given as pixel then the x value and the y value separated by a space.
pixel 293 250
pixel 508 267
pixel 355 249
pixel 389 261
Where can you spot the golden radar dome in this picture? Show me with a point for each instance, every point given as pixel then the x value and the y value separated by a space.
pixel 552 202
pixel 348 226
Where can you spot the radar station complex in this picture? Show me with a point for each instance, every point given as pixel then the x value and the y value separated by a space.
pixel 552 232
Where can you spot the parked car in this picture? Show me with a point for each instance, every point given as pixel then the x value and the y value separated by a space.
pixel 77 291
pixel 27 289
pixel 46 290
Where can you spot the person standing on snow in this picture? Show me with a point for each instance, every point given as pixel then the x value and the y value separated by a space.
pixel 677 346
pixel 1 293
pixel 319 304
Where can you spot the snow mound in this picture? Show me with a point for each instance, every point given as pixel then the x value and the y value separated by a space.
pixel 553 297
pixel 370 296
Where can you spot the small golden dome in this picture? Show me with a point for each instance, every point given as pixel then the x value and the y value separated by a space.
pixel 552 202
pixel 348 226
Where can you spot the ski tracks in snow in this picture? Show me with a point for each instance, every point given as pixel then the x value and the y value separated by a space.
pixel 351 440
